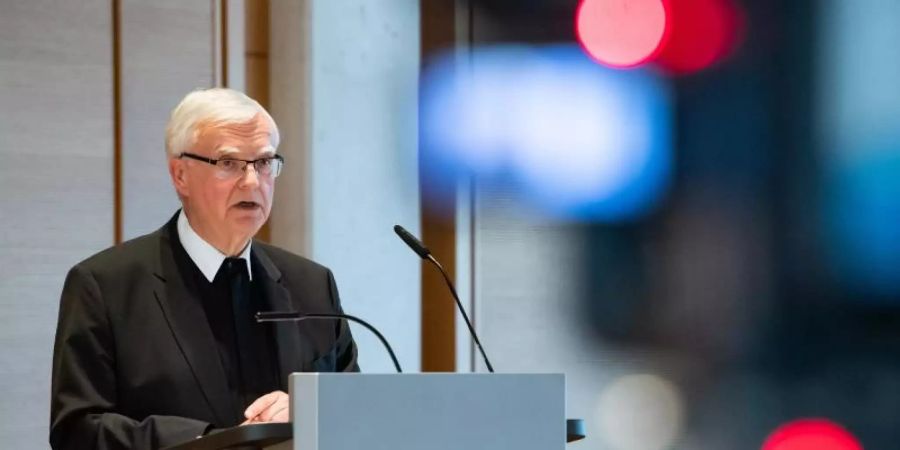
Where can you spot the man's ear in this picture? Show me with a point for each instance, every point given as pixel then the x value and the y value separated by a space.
pixel 179 176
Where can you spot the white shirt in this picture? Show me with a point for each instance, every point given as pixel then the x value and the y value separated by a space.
pixel 207 258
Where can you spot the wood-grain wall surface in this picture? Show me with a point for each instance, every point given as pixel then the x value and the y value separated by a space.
pixel 57 160
pixel 167 51
pixel 56 186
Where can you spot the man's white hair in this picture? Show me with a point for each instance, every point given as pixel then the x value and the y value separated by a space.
pixel 210 107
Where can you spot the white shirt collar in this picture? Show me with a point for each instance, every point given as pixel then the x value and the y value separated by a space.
pixel 207 258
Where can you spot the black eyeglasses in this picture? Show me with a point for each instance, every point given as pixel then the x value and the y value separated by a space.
pixel 227 168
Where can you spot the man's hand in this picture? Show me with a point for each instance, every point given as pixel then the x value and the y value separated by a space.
pixel 272 407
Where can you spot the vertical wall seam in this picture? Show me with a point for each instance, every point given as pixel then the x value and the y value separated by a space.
pixel 215 51
pixel 117 120
pixel 470 38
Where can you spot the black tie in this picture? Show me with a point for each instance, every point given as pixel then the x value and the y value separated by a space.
pixel 244 322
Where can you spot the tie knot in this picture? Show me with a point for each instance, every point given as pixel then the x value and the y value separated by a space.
pixel 235 266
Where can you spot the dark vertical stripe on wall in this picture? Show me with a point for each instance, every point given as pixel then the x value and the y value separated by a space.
pixel 223 38
pixel 438 33
pixel 218 13
pixel 256 60
pixel 473 312
pixel 117 120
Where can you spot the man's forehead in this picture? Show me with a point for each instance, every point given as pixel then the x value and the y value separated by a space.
pixel 256 131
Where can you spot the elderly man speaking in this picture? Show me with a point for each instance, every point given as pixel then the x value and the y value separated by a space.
pixel 156 341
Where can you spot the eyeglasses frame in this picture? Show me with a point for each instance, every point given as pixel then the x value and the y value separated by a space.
pixel 247 162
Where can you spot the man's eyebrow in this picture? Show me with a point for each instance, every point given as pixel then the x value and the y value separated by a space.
pixel 267 150
pixel 225 151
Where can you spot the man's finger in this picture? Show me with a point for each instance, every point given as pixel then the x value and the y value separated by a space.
pixel 261 404
pixel 275 414
pixel 283 415
pixel 281 404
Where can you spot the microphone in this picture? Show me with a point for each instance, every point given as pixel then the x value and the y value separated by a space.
pixel 291 316
pixel 423 252
pixel 413 243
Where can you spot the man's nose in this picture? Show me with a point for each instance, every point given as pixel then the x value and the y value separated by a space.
pixel 250 177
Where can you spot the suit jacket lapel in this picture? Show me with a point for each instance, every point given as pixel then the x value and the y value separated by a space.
pixel 291 349
pixel 189 324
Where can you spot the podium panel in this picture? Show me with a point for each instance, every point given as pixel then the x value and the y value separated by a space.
pixel 443 411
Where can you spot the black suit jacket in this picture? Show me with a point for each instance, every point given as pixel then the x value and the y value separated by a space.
pixel 135 364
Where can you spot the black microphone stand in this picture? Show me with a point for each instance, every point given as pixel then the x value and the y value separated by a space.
pixel 462 311
pixel 290 316
pixel 416 245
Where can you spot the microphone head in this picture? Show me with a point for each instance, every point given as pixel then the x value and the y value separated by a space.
pixel 413 243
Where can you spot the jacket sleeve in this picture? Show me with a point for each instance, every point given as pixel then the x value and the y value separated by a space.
pixel 83 388
pixel 345 347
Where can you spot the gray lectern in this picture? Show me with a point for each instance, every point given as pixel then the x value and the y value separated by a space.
pixel 445 411
pixel 428 411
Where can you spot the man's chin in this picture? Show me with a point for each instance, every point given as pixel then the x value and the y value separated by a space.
pixel 248 223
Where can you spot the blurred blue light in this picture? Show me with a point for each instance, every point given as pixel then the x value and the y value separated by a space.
pixel 578 140
pixel 857 108
pixel 863 207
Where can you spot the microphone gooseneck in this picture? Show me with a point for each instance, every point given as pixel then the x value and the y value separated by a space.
pixel 423 252
pixel 290 316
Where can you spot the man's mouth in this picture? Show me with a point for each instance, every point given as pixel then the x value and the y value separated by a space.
pixel 247 205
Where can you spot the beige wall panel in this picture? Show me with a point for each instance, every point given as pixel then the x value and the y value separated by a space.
pixel 56 191
pixel 289 56
pixel 234 29
pixel 167 51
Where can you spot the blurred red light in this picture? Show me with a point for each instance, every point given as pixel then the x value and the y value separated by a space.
pixel 701 33
pixel 811 434
pixel 621 33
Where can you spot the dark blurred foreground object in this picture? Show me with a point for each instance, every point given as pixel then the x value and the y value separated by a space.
pixel 265 435
pixel 259 435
